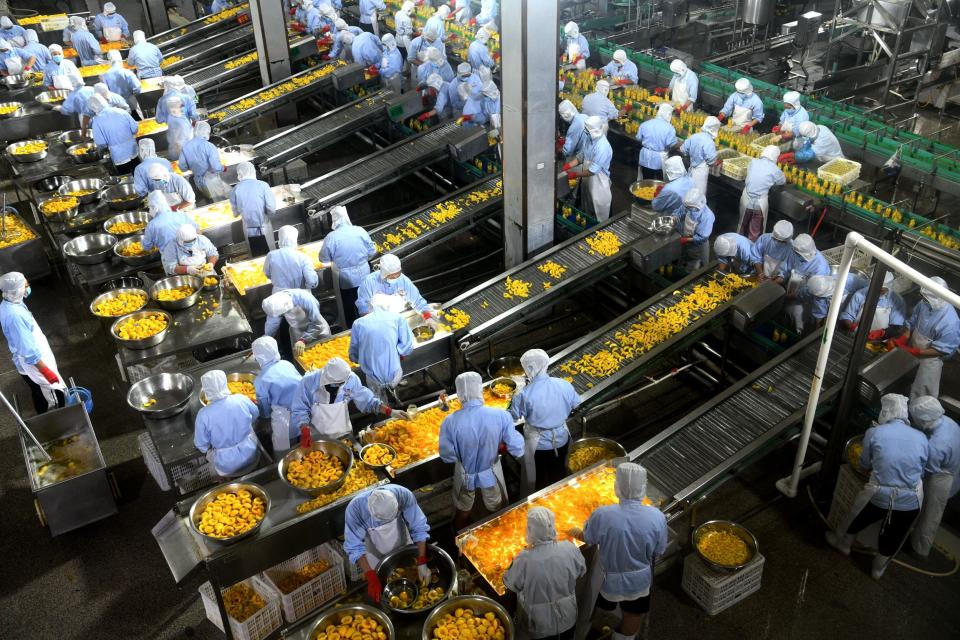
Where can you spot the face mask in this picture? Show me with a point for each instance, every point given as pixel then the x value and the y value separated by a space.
pixel 189 246
pixel 160 184
pixel 58 59
pixel 393 276
pixel 691 210
pixel 790 112
pixel 26 294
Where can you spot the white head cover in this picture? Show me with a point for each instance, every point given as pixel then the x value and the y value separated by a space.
pixel 339 216
pixel 202 130
pixel 382 302
pixel 77 22
pixel 491 91
pixel 808 130
pixel 179 82
pixel 725 245
pixel 673 168
pixel 821 286
pixel 407 7
pixel 265 350
pixel 743 86
pixel 139 36
pixel 96 103
pixel 469 387
pixel 935 301
pixel 541 526
pixel 336 371
pixel 620 56
pixel 571 30
pixel 805 247
pixel 328 12
pixel 6 22
pixel 246 171
pixel 389 41
pixel 340 24
pixel 148 149
pixel 665 111
pixel 887 278
pixel 567 110
pixel 13 285
pixel 631 481
pixel 464 70
pixel 383 505
pixel 277 304
pixel 678 67
pixel 158 172
pixel 594 126
pixel 534 362
pixel 157 202
pixel 55 49
pixel 32 35
pixel 603 88
pixel 109 8
pixel 287 236
pixel 114 57
pixel 694 199
pixel 712 126
pixel 443 11
pixel 389 264
pixel 346 37
pixel 102 89
pixel 431 34
pixel 792 98
pixel 435 81
pixel 434 55
pixel 186 233
pixel 483 36
pixel 770 152
pixel 893 406
pixel 925 412
pixel 214 385
pixel 783 230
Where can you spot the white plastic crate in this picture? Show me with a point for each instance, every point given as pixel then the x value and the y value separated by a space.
pixel 353 571
pixel 736 168
pixel 861 260
pixel 152 459
pixel 715 591
pixel 765 140
pixel 310 595
pixel 830 171
pixel 848 486
pixel 256 627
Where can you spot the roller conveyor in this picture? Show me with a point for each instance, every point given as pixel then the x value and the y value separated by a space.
pixel 217 47
pixel 201 28
pixel 211 76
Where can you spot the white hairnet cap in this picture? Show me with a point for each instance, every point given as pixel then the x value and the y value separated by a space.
pixel 102 89
pixel 694 198
pixel 783 230
pixel 807 130
pixel 383 505
pixel 389 264
pixel 482 35
pixel 631 482
pixel 464 69
pixel 792 98
pixel 77 22
pixel 469 386
pixel 32 35
pixel 571 29
pixel 186 233
pixel 346 37
pixel 407 6
pixel 12 285
pixel 139 36
pixel 431 34
pixel 443 11
pixel 339 216
pixel 725 245
pixel 388 41
pixel 567 110
pixel 6 22
pixel 678 66
pixel 673 167
pixel 771 152
pixel 932 298
pixel 665 111
pixel 202 130
pixel 541 526
pixel 434 55
pixel 114 56
pixel 743 86
pixel 603 87
pixel 893 406
pixel 336 371
pixel 158 172
pixel 534 362
pixel 381 302
pixel 821 286
pixel 265 350
pixel 887 278
pixel 55 48
pixel 594 126
pixel 277 304
pixel 157 202
pixel 214 385
pixel 109 8
pixel 246 171
pixel 711 125
pixel 435 81
pixel 926 412
pixel 620 56
pixel 96 103
pixel 287 236
pixel 340 24
pixel 804 245
pixel 490 90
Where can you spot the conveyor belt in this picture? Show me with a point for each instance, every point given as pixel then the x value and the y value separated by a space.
pixel 216 48
pixel 219 72
pixel 200 28
pixel 441 218
pixel 322 131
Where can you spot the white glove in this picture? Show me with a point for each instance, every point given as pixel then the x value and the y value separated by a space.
pixel 396 414
pixel 299 347
pixel 423 571
pixel 194 270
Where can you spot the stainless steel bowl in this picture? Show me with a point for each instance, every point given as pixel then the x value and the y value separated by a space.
pixel 51 99
pixel 78 221
pixel 330 447
pixel 75 136
pixel 51 184
pixel 134 217
pixel 480 605
pixel 126 282
pixel 122 197
pixel 92 248
pixel 395 589
pixel 614 449
pixel 211 287
pixel 644 184
pixel 423 333
pixel 201 503
pixel 19 81
pixel 134 261
pixel 236 376
pixel 83 153
pixel 172 392
pixel 508 387
pixel 728 527
pixel 439 563
pixel 93 185
pixel 505 367
pixel 142 343
pixel 25 157
pixel 172 283
pixel 663 225
pixel 334 615
pixel 363 451
pixel 110 295
pixel 63 215
pixel 12 114
pixel 855 460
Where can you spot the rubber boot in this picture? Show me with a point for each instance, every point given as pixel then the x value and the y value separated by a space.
pixel 879 566
pixel 841 543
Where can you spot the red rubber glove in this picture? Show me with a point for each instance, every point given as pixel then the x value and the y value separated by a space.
pixel 305 438
pixel 374 588
pixel 423 117
pixel 623 82
pixel 685 239
pixel 628 107
pixel 659 91
pixel 560 142
pixel 502 449
pixel 464 118
pixel 48 373
pixel 686 107
pixel 876 334
pixel 326 29
pixel 911 350
pixel 473 22
pixel 299 28
pixel 901 341
pixel 597 73
pixel 776 129
pixel 658 190
pixel 721 117
pixel 853 326
pixel 572 175
pixel 746 129
pixel 325 56
pixel 787 158
pixel 426 315
pixel 567 166
pixel 373 71
pixel 387 411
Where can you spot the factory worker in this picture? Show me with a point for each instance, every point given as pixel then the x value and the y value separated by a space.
pixel 85 44
pixel 888 317
pixel 933 334
pixel 734 253
pixel 174 16
pixel 179 127
pixel 669 198
pixel 657 137
pixel 61 73
pixel 595 168
pixel 391 65
pixel 427 40
pixel 684 86
pixel 112 99
pixel 462 12
pixel 309 21
pixel 793 115
pixel 774 249
pixel 631 537
pixel 201 157
pixel 164 222
pixel 14 33
pixel 473 113
pixel 435 62
pixel 323 397
pixel 695 227
pixel 805 262
pixel 438 21
pixel 544 576
pixel 404 26
pixel 189 94
pixel 814 142
pixel 815 297
pixel 895 454
pixel 743 108
pixel 488 12
pixel 449 102
pixel 14 60
pixel 123 82
pixel 621 70
pixel 224 428
pixel 191 253
pixel 478 55
pixel 37 50
pixel 492 107
pixel 377 523
pixel 77 103
pixel 369 18
pixel 598 104
pixel 576 137
pixel 378 341
pixel 571 35
pixel 287 267
pixel 176 189
pixel 471 437
pixel 941 472
pixel 222 5
pixel 67 35
pixel 701 148
pixel 350 248
pixel 391 280
pixel 302 313
pixel 545 404
pixel 367 51
pixel 110 26
pixel 171 91
pixel 328 21
pixel 762 175
pixel 253 200
pixel 115 130
pixel 145 57
pixel 276 385
pixel 147 152
pixel 28 346
pixel 343 43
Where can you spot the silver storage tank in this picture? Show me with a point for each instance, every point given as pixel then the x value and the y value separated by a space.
pixel 756 12
pixel 896 8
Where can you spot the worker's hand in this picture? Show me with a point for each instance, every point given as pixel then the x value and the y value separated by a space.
pixel 776 129
pixel 502 449
pixel 473 22
pixel 575 532
pixel 374 588
pixel 325 56
pixel 397 414
pixel 660 91
pixel 657 191
pixel 721 116
pixel 746 129
pixel 194 270
pixel 567 166
pixel 48 374
pixel 785 135
pixel 299 347
pixel 299 28
pixel 685 240
pixel 876 334
pixel 787 158
pixel 596 72
pixel 561 140
pixel 306 438
pixel 326 29
pixel 572 175
pixel 372 70
pixel 686 106
pixel 464 118
pixel 423 571
pixel 627 108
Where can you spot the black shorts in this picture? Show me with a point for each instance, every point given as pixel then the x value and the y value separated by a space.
pixel 637 607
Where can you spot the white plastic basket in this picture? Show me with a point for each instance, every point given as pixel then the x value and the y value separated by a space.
pixel 831 172
pixel 152 459
pixel 313 594
pixel 845 492
pixel 352 570
pixel 736 168
pixel 256 627
pixel 861 259
pixel 715 591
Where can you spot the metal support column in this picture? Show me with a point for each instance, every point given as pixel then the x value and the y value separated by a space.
pixel 529 43
pixel 270 35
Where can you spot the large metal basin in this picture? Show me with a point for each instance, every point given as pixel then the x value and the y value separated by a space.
pixel 171 391
pixel 439 563
pixel 480 605
pixel 110 295
pixel 201 503
pixel 725 526
pixel 93 185
pixel 172 283
pixel 333 616
pixel 142 343
pixel 122 197
pixel 332 447
pixel 133 261
pixel 90 249
pixel 134 217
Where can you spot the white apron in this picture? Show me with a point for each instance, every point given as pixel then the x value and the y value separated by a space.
pixel 213 185
pixel 173 199
pixel 598 186
pixel 460 476
pixel 63 82
pixel 14 65
pixel 927 380
pixel 936 493
pixel 679 96
pixel 46 356
pixel 531 436
pixel 280 428
pixel 694 255
pixel 746 202
pixel 863 498
pixel 881 318
pixel 212 459
pixel 740 117
pixel 382 390
pixel 385 539
pixel 700 174
pixel 375 24
pixel 112 34
pixel 331 420
pixel 542 619
pixel 297 321
pixel 770 266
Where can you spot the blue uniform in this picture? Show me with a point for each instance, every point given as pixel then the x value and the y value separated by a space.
pixel 896 453
pixel 815 306
pixel 316 325
pixel 253 201
pixel 449 102
pixel 794 117
pixel 368 8
pixel 349 247
pixel 50 70
pixel 545 404
pixel 762 175
pixel 888 300
pixel 595 104
pixel 402 286
pixel 700 148
pixel 472 435
pixel 488 11
pixel 473 107
pixel 599 154
pixel 767 245
pixel 163 110
pixel 13 52
pixel 172 253
pixel 631 537
pixel 616 71
pixel 338 48
pixel 377 342
pixel 220 5
pixel 824 147
pixel 581 42
pixel 941 327
pixel 312 21
pixel 367 50
pixel 163 229
pixel 87 47
pixel 817 266
pixel 200 157
pixel 141 180
pixel 287 268
pixel 276 386
pixel 179 186
pixel 115 129
pixel 15 31
pixel 146 57
pixel 944 448
pixel 745 257
pixel 358 520
pixel 391 64
pixel 479 56
pixel 670 198
pixel 420 43
pixel 122 82
pixel 114 21
pixel 656 135
pixel 704 219
pixel 40 52
pixel 444 70
pixel 18 325
pixel 434 23
pixel 350 391
pixel 77 102
pixel 116 100
pixel 752 102
pixel 691 81
pixel 227 427
pixel 577 137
